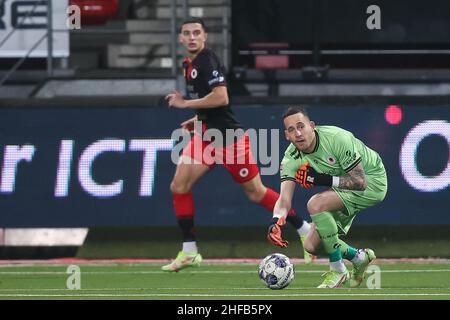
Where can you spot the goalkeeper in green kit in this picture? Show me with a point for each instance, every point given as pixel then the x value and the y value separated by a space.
pixel 332 157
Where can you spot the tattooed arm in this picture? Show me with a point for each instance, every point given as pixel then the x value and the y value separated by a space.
pixel 356 180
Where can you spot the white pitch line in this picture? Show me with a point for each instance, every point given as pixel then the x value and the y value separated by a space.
pixel 211 261
pixel 194 289
pixel 195 272
pixel 232 295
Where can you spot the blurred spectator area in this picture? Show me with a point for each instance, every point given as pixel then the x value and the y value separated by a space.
pixel 139 37
pixel 269 47
pixel 295 41
pixel 129 38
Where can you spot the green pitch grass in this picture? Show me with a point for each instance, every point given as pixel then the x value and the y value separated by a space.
pixel 214 282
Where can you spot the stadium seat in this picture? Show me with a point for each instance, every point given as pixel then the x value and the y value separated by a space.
pixel 271 59
pixel 95 12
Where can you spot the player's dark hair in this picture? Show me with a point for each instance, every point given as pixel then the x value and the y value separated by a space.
pixel 294 110
pixel 194 20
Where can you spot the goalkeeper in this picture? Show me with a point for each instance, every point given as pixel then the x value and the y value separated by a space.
pixel 331 157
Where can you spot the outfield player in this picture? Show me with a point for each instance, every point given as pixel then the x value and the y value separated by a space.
pixel 207 94
pixel 331 157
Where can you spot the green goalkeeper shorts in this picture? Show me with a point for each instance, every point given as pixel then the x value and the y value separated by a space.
pixel 355 201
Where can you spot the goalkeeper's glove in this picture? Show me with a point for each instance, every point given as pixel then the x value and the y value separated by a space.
pixel 307 177
pixel 274 233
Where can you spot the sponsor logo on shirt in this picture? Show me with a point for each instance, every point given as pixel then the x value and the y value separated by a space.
pixel 216 80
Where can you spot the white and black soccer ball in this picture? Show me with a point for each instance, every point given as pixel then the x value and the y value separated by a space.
pixel 276 271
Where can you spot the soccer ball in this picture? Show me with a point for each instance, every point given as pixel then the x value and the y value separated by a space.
pixel 276 271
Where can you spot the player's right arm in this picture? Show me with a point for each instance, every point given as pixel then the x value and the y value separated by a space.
pixel 218 97
pixel 282 207
pixel 284 202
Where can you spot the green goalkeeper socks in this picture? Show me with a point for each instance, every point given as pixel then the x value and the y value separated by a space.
pixel 347 252
pixel 328 232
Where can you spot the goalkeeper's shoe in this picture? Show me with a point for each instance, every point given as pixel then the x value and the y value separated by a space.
pixel 309 258
pixel 357 275
pixel 183 260
pixel 334 279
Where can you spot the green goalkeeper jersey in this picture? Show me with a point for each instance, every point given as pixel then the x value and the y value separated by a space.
pixel 336 152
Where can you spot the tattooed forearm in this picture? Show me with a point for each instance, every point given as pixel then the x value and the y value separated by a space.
pixel 356 180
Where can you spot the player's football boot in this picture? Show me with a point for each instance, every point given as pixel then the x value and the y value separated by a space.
pixel 334 279
pixel 309 258
pixel 183 260
pixel 357 275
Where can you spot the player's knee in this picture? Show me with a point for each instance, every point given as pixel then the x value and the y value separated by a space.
pixel 254 194
pixel 314 205
pixel 179 188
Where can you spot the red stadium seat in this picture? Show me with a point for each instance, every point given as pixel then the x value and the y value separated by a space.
pixel 273 59
pixel 96 11
pixel 272 62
